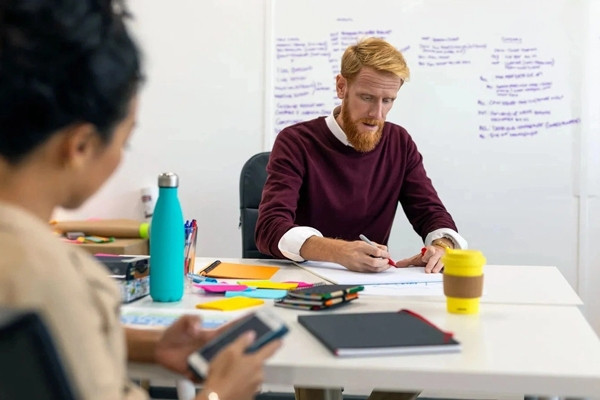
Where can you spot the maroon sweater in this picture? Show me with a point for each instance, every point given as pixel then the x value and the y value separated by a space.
pixel 315 180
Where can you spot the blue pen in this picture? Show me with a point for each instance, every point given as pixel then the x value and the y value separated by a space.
pixel 200 279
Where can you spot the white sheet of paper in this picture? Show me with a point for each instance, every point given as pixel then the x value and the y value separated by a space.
pixel 405 289
pixel 337 273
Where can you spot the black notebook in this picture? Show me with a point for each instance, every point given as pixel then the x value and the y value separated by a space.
pixel 317 302
pixel 315 305
pixel 323 292
pixel 380 333
pixel 310 307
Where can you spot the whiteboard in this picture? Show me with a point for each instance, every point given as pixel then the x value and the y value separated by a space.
pixel 494 104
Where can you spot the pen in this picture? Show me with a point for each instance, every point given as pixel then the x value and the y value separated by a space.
pixel 199 278
pixel 423 251
pixel 366 240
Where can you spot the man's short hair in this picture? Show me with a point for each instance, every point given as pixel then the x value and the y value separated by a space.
pixel 375 53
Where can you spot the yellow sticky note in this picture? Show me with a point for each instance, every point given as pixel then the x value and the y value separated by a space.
pixel 230 304
pixel 270 285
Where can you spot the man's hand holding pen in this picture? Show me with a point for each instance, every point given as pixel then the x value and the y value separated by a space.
pixel 365 255
pixel 355 255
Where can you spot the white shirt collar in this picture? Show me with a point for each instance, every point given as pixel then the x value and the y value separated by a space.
pixel 335 128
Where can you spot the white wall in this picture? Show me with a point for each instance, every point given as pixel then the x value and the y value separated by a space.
pixel 202 115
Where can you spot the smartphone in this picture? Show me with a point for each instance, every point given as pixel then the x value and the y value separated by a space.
pixel 266 325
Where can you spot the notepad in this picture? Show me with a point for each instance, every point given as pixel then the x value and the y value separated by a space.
pixel 269 285
pixel 379 333
pixel 293 302
pixel 258 293
pixel 230 304
pixel 320 297
pixel 226 270
pixel 323 292
pixel 301 284
pixel 165 317
pixel 336 273
pixel 312 307
pixel 221 288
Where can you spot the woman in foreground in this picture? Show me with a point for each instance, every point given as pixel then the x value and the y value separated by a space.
pixel 69 76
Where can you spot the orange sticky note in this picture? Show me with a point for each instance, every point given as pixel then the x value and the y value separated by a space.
pixel 226 270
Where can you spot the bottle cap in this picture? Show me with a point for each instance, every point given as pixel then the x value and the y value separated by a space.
pixel 144 230
pixel 168 179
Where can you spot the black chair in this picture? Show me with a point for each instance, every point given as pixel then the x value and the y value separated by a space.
pixel 252 180
pixel 30 367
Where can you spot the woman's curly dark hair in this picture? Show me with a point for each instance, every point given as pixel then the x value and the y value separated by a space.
pixel 62 62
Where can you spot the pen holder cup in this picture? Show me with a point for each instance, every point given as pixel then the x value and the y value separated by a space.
pixel 189 256
pixel 463 280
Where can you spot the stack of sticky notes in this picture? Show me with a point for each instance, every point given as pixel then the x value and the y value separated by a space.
pixel 245 293
pixel 320 297
pixel 230 304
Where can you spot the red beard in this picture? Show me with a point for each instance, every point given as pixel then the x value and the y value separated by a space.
pixel 362 141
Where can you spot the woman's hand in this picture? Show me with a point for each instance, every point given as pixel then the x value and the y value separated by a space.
pixel 181 339
pixel 236 375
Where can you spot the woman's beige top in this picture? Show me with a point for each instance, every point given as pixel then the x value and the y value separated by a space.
pixel 78 300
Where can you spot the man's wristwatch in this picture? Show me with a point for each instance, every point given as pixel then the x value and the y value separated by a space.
pixel 443 242
pixel 212 396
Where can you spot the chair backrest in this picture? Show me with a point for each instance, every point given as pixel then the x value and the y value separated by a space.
pixel 30 365
pixel 252 180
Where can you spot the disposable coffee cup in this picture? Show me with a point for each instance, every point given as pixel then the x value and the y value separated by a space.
pixel 463 280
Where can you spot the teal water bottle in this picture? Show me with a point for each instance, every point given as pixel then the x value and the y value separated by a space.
pixel 167 239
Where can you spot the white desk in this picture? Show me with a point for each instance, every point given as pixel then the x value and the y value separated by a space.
pixel 507 349
pixel 545 350
pixel 527 284
pixel 503 284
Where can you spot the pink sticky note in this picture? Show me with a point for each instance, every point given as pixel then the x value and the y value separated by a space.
pixel 221 288
pixel 301 284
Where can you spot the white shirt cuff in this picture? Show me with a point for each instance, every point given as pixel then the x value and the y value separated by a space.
pixel 291 241
pixel 459 241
